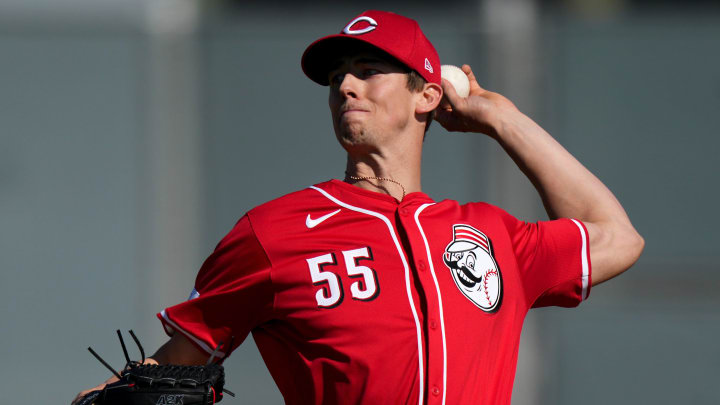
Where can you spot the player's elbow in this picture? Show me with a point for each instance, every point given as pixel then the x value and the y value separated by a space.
pixel 638 245
pixel 615 248
pixel 629 245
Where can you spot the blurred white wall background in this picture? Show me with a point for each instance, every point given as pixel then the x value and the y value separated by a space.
pixel 134 134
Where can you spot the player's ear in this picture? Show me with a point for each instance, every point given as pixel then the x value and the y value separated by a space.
pixel 429 98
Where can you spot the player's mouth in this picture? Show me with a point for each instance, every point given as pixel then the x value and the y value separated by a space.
pixel 466 277
pixel 350 108
pixel 351 112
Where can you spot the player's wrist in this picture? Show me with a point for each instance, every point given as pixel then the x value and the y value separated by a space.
pixel 509 123
pixel 150 360
pixel 500 125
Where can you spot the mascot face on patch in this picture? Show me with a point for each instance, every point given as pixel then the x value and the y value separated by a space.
pixel 473 267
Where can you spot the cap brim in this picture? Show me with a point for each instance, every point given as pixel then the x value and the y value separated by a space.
pixel 318 57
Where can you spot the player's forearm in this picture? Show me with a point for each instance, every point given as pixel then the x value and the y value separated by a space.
pixel 178 350
pixel 569 190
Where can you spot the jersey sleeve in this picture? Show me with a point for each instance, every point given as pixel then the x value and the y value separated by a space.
pixel 553 259
pixel 232 294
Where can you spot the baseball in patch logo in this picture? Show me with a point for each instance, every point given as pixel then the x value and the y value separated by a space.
pixel 472 265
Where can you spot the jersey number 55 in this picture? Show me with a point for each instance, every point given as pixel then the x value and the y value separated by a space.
pixel 331 293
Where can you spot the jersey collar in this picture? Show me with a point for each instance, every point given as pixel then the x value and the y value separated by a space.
pixel 365 197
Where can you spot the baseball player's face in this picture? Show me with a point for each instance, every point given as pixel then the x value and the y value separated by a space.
pixel 463 265
pixel 369 99
pixel 477 276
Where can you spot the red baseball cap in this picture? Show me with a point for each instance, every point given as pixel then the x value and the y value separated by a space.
pixel 398 36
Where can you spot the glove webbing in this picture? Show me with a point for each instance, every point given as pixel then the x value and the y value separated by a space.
pixel 172 375
pixel 211 376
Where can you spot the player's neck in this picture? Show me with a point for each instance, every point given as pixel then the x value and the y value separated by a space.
pixel 396 176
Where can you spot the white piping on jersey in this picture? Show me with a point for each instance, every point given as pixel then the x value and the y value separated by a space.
pixel 584 260
pixel 407 278
pixel 437 288
pixel 190 336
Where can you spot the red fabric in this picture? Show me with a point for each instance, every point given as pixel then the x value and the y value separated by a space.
pixel 397 35
pixel 549 255
pixel 364 345
pixel 235 293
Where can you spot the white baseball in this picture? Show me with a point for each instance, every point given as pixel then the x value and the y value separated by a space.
pixel 457 77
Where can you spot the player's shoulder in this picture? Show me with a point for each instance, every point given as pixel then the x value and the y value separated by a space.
pixel 474 206
pixel 476 212
pixel 288 204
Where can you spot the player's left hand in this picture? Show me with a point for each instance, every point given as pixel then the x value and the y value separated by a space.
pixel 481 111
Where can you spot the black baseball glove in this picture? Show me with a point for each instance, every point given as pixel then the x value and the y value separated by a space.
pixel 151 384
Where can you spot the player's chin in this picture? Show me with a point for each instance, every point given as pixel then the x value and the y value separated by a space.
pixel 351 122
pixel 350 133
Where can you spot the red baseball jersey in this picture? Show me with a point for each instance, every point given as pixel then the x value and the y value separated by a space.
pixel 355 298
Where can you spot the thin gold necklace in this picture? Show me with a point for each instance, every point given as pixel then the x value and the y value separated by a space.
pixel 377 178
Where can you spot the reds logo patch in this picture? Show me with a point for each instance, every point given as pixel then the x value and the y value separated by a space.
pixel 472 265
pixel 370 25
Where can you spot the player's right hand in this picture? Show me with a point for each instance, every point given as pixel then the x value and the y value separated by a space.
pixel 480 112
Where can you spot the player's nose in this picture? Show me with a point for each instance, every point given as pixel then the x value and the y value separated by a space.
pixel 349 86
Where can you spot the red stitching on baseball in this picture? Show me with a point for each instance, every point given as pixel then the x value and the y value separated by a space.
pixel 490 272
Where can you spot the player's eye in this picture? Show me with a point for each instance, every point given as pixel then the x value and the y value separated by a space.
pixel 470 262
pixel 370 72
pixel 336 78
pixel 457 256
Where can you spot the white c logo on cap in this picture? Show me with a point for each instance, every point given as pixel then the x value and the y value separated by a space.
pixel 372 26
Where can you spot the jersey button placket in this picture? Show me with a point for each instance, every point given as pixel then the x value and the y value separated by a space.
pixel 433 338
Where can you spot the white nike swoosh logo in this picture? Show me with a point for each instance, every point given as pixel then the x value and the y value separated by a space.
pixel 312 223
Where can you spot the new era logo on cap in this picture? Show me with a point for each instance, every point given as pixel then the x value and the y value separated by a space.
pixel 428 66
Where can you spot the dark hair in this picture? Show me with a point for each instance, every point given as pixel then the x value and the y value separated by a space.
pixel 416 84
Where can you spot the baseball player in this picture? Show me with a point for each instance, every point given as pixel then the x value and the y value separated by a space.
pixel 365 290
